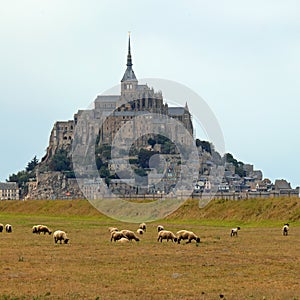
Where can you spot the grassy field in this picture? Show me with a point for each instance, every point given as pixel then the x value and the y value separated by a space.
pixel 258 264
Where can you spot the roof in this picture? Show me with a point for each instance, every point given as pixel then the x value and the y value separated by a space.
pixel 176 111
pixel 107 98
pixel 8 185
pixel 129 75
pixel 128 113
pixel 282 184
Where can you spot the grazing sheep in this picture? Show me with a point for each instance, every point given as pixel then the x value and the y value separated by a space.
pixel 166 235
pixel 43 228
pixel 130 235
pixel 160 228
pixel 143 226
pixel 116 235
pixel 140 231
pixel 60 235
pixel 35 228
pixel 123 240
pixel 112 229
pixel 1 227
pixel 285 229
pixel 187 235
pixel 8 228
pixel 234 231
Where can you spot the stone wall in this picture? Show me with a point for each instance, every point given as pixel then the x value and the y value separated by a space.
pixel 54 185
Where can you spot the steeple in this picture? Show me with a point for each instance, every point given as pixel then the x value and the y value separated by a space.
pixel 129 73
pixel 129 60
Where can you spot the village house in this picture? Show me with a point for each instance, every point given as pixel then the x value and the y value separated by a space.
pixel 9 191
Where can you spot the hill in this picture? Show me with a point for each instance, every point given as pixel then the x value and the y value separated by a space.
pixel 271 211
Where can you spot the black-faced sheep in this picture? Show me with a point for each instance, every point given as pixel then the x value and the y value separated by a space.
pixel 116 235
pixel 140 231
pixel 285 229
pixel 234 231
pixel 187 235
pixel 143 226
pixel 1 227
pixel 60 235
pixel 160 228
pixel 130 235
pixel 8 228
pixel 166 235
pixel 44 229
pixel 35 228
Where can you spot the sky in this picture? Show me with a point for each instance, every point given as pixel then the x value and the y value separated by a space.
pixel 241 57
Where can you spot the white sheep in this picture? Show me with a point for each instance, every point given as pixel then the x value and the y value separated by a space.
pixel 143 226
pixel 140 231
pixel 44 229
pixel 160 228
pixel 130 235
pixel 112 229
pixel 166 235
pixel 8 228
pixel 1 227
pixel 285 229
pixel 234 231
pixel 116 235
pixel 187 235
pixel 60 235
pixel 123 240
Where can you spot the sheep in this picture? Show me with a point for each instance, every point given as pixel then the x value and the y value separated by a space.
pixel 130 235
pixel 112 229
pixel 1 227
pixel 116 235
pixel 285 229
pixel 35 228
pixel 160 228
pixel 187 235
pixel 166 235
pixel 140 231
pixel 60 235
pixel 43 228
pixel 143 226
pixel 123 240
pixel 8 228
pixel 234 231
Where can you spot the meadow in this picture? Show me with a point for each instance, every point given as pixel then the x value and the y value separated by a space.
pixel 260 263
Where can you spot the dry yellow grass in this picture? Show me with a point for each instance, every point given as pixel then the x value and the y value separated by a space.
pixel 259 264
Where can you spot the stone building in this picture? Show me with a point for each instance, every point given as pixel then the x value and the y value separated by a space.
pixel 135 100
pixel 9 191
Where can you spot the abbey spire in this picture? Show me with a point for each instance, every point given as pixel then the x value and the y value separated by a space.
pixel 129 73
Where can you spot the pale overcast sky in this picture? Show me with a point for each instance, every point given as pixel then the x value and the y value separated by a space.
pixel 241 57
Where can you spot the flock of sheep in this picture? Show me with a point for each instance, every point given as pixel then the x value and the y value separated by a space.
pixel 123 236
pixel 58 235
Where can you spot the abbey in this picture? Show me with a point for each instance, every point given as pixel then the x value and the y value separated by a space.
pixel 134 100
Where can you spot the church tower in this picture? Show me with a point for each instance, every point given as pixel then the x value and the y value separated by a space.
pixel 129 81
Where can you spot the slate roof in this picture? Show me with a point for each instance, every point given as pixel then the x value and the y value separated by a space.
pixel 176 111
pixel 8 185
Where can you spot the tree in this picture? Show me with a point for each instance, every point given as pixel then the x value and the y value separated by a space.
pixel 206 146
pixel 151 142
pixel 32 164
pixel 144 156
pixel 60 161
